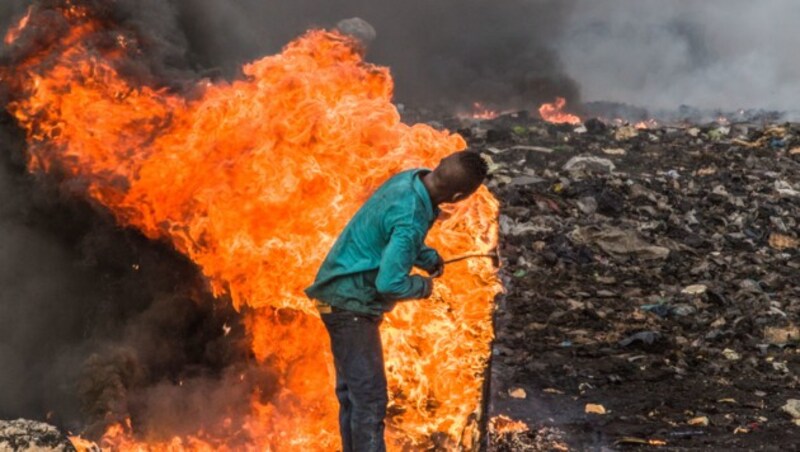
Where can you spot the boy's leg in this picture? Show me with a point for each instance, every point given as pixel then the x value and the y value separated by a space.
pixel 361 379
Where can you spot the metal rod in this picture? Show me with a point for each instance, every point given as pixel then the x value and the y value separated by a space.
pixel 493 257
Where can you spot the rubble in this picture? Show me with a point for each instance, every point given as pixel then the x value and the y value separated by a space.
pixel 23 435
pixel 654 273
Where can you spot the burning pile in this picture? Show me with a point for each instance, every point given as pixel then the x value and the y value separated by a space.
pixel 252 180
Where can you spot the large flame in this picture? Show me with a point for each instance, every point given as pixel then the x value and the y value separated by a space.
pixel 253 180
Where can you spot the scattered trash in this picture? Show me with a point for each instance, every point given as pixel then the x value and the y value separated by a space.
pixel 782 335
pixel 525 180
pixel 541 149
pixel 786 189
pixel 731 355
pixel 695 289
pixel 588 205
pixel 626 133
pixel 644 337
pixel 614 151
pixel 617 242
pixel 593 408
pixel 630 441
pixel 595 126
pixel 792 408
pixel 553 391
pixel 782 241
pixel 719 133
pixel 661 309
pixel 683 310
pixel 517 393
pixel 589 164
pixel 701 421
pixel 686 433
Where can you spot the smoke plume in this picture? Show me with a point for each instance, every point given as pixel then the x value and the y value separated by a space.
pixel 726 54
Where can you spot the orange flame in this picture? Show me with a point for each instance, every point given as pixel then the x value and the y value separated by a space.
pixel 253 180
pixel 503 424
pixel 644 125
pixel 14 32
pixel 555 113
pixel 479 111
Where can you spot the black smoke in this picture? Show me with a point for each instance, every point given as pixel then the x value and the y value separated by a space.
pixel 442 53
pixel 97 323
pixel 446 53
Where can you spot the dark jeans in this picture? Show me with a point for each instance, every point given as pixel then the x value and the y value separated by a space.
pixel 360 379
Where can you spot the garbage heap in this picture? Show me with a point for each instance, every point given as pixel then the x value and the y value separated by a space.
pixel 652 281
pixel 24 435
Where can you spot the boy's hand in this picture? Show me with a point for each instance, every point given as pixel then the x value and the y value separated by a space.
pixel 438 270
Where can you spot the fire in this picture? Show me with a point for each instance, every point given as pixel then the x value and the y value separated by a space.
pixel 252 180
pixel 503 424
pixel 644 125
pixel 479 111
pixel 555 113
pixel 14 32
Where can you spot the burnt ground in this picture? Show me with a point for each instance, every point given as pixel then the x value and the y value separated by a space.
pixel 665 290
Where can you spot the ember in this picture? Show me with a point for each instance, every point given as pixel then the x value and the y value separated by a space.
pixel 14 32
pixel 252 180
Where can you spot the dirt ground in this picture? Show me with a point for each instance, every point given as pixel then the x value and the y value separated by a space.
pixel 665 290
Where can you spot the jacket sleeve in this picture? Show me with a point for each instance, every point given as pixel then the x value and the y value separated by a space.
pixel 427 259
pixel 393 281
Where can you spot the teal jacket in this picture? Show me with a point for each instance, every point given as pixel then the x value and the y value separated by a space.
pixel 367 270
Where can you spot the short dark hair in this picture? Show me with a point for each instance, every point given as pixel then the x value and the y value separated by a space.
pixel 474 165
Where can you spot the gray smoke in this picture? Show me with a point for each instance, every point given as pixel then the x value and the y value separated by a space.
pixel 726 54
